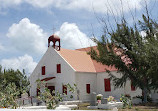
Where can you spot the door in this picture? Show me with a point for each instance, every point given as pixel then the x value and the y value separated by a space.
pixel 51 88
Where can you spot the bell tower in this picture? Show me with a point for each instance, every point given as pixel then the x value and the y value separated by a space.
pixel 54 38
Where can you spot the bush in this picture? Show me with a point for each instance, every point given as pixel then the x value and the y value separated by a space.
pixel 8 96
pixel 126 101
pixel 52 100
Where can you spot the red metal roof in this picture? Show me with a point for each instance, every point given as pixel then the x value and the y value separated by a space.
pixel 98 66
pixel 79 60
pixel 82 62
pixel 54 36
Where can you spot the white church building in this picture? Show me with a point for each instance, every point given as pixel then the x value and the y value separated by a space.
pixel 60 66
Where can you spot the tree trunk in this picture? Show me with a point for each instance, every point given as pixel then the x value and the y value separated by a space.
pixel 145 94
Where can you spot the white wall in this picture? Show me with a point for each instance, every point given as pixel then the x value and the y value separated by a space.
pixel 83 78
pixel 101 88
pixel 132 93
pixel 68 75
pixel 154 96
pixel 114 92
pixel 49 60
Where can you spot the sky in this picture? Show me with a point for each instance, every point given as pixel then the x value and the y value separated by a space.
pixel 25 25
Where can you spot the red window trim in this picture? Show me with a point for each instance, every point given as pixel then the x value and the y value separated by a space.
pixel 88 88
pixel 37 92
pixel 58 68
pixel 132 87
pixel 107 85
pixel 65 89
pixel 43 70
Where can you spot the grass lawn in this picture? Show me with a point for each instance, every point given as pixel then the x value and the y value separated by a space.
pixel 141 107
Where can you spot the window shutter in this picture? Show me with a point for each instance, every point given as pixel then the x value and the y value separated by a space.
pixel 107 85
pixel 58 68
pixel 132 87
pixel 43 70
pixel 38 91
pixel 65 89
pixel 88 88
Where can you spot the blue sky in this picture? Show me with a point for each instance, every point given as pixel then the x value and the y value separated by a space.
pixel 25 25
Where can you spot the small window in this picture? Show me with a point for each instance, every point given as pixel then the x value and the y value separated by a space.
pixel 64 89
pixel 132 87
pixel 58 68
pixel 107 85
pixel 88 88
pixel 43 70
pixel 38 92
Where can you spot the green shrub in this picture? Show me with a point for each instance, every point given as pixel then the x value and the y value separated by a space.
pixel 8 96
pixel 127 102
pixel 52 100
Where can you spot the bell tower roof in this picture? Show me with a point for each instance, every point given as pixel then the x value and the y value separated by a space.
pixel 54 38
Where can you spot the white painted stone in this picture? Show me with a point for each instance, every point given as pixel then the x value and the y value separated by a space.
pixel 154 96
pixel 68 75
pixel 33 107
pixel 63 107
pixel 83 78
pixel 50 59
pixel 92 107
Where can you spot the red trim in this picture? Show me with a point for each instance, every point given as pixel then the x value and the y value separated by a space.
pixel 58 68
pixel 37 92
pixel 65 89
pixel 88 88
pixel 132 87
pixel 51 88
pixel 43 70
pixel 47 79
pixel 107 85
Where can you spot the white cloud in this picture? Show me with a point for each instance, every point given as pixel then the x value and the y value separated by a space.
pixel 42 3
pixel 28 37
pixel 101 6
pixel 8 3
pixel 143 33
pixel 24 62
pixel 72 37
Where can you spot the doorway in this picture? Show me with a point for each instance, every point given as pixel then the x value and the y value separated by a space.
pixel 51 88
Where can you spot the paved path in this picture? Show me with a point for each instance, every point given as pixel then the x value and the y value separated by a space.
pixel 114 109
pixel 46 110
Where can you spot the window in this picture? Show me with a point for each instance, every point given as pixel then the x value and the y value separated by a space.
pixel 132 87
pixel 65 89
pixel 88 88
pixel 38 91
pixel 58 68
pixel 43 70
pixel 107 85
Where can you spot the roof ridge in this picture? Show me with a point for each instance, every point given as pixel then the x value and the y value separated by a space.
pixel 72 50
pixel 86 47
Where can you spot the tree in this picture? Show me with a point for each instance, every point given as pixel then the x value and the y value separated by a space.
pixel 135 56
pixel 12 84
pixel 8 96
pixel 1 76
pixel 8 76
pixel 53 98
